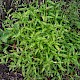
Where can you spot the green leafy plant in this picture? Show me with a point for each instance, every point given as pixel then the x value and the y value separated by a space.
pixel 72 11
pixel 39 42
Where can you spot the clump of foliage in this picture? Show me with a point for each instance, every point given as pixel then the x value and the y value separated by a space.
pixel 39 42
pixel 72 11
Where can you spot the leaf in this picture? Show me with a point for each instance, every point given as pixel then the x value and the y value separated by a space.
pixel 5 37
pixel 78 24
pixel 57 47
pixel 9 11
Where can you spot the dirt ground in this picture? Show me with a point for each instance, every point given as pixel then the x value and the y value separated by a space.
pixel 5 74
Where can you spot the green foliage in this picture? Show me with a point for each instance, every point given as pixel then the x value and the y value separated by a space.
pixel 39 42
pixel 72 11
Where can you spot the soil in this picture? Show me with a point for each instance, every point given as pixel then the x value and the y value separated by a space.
pixel 5 74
